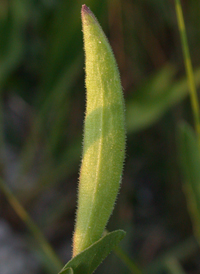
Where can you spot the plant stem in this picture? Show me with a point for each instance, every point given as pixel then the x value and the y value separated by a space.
pixel 33 228
pixel 188 67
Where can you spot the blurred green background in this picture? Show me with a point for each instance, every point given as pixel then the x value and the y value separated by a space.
pixel 42 102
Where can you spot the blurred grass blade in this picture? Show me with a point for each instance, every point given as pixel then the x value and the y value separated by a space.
pixel 12 21
pixel 142 110
pixel 188 67
pixel 190 166
pixel 181 252
pixel 147 103
pixel 33 228
pixel 52 175
pixel 173 266
pixel 1 133
pixel 130 264
pixel 13 17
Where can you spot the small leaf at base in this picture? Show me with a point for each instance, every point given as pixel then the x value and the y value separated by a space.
pixel 87 261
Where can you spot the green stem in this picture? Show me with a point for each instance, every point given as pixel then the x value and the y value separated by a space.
pixel 33 228
pixel 188 67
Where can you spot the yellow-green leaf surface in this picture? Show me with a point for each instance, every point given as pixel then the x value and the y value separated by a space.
pixel 87 261
pixel 104 136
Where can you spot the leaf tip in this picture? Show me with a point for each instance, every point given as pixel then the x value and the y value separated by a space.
pixel 86 11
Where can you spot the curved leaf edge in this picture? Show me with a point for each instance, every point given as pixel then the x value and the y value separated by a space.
pixel 88 260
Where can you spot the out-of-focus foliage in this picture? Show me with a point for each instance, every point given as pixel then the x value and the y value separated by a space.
pixel 190 163
pixel 42 102
pixel 155 97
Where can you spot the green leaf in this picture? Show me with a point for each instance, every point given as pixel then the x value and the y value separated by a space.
pixel 190 165
pixel 104 137
pixel 69 270
pixel 87 261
